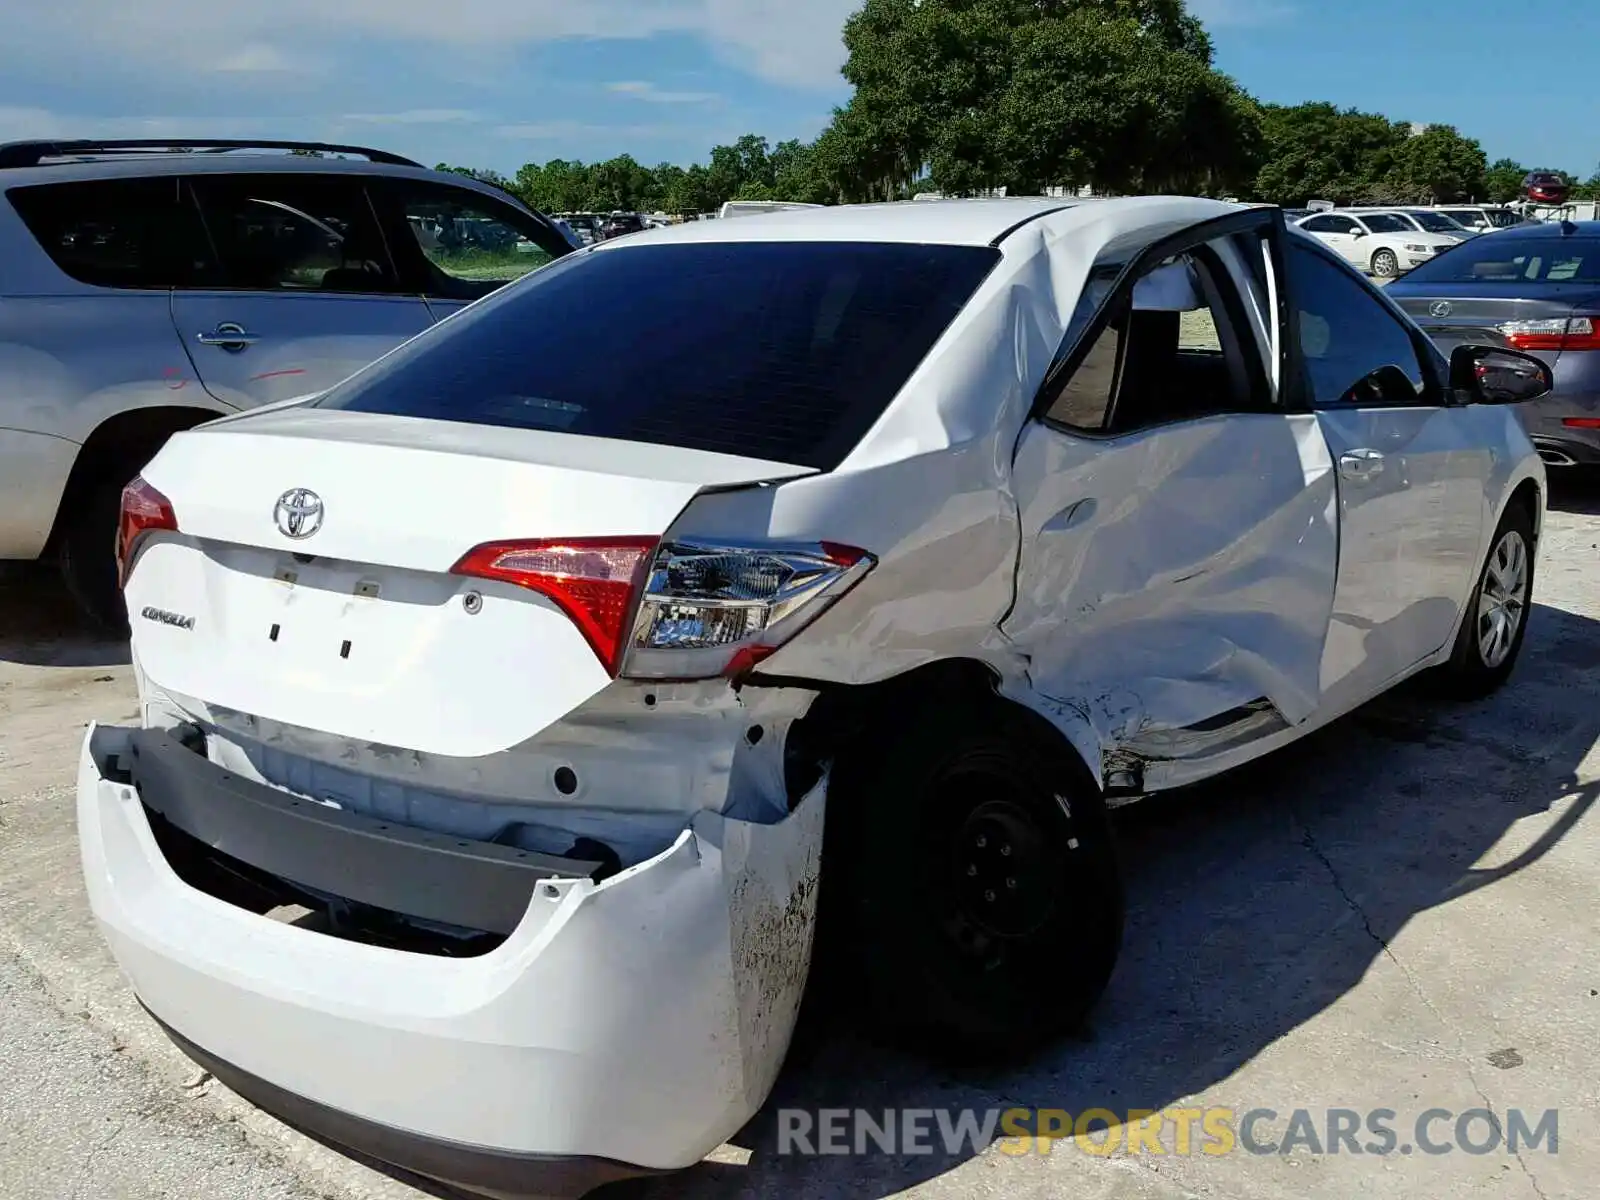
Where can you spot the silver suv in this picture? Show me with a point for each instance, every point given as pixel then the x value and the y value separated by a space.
pixel 147 288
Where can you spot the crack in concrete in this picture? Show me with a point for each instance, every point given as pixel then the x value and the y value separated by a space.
pixel 1309 841
pixel 86 1170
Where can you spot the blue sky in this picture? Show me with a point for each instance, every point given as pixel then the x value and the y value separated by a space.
pixel 496 83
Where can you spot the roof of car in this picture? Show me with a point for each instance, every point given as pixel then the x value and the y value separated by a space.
pixel 946 222
pixel 1547 229
pixel 134 166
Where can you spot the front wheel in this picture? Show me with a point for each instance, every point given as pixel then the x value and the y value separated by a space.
pixel 1496 618
pixel 1385 265
pixel 983 901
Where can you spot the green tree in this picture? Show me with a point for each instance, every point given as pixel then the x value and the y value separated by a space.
pixel 1317 151
pixel 1026 94
pixel 1433 166
pixel 1502 181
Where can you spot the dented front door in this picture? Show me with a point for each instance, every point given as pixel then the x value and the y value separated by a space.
pixel 1175 585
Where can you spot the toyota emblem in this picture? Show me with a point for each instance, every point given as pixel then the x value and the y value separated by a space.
pixel 298 513
pixel 1439 308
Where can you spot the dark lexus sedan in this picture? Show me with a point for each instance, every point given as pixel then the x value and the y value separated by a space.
pixel 1534 288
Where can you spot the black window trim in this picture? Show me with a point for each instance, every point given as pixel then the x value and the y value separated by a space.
pixel 1257 221
pixel 400 289
pixel 1436 392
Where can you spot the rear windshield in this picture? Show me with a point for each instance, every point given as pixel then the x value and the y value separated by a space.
pixel 786 351
pixel 1503 259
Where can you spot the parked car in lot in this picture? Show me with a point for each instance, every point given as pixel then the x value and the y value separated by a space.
pixel 1534 288
pixel 621 225
pixel 144 292
pixel 495 702
pixel 1382 243
pixel 1483 219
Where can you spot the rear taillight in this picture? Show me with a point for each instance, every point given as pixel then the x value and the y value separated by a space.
pixel 144 510
pixel 712 610
pixel 678 610
pixel 595 581
pixel 1558 333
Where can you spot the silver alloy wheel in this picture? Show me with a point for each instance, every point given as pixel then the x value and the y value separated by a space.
pixel 1503 599
pixel 1385 264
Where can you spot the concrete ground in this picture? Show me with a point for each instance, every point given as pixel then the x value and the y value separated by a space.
pixel 1399 913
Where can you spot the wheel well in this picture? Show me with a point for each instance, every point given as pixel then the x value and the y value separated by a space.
pixel 119 448
pixel 844 718
pixel 1526 497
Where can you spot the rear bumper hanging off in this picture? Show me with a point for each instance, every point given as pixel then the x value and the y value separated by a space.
pixel 627 1025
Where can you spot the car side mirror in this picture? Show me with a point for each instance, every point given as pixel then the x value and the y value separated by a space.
pixel 1360 233
pixel 1494 375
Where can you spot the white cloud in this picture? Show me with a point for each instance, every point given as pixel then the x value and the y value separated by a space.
pixel 416 116
pixel 781 40
pixel 27 124
pixel 559 131
pixel 640 89
pixel 257 57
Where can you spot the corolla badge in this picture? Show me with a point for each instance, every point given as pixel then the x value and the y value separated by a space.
pixel 1439 308
pixel 298 513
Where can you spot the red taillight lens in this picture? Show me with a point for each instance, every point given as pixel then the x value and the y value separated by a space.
pixel 144 510
pixel 1581 422
pixel 1558 333
pixel 595 581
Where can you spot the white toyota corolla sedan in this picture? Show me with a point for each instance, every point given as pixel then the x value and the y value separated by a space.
pixel 492 701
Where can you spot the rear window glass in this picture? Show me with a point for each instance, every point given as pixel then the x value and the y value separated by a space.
pixel 786 351
pixel 117 233
pixel 1502 259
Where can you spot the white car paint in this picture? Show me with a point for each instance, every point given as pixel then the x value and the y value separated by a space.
pixel 1359 235
pixel 1173 601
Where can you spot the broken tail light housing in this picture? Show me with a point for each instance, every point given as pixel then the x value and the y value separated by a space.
pixel 677 610
pixel 144 511
pixel 711 610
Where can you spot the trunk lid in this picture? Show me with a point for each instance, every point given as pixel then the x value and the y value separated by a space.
pixel 1472 313
pixel 359 629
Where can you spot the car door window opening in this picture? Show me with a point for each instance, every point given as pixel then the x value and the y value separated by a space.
pixel 1176 346
pixel 290 232
pixel 1353 350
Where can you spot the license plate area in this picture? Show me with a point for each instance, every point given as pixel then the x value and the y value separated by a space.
pixel 323 614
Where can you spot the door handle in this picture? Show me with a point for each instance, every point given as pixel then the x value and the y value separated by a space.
pixel 229 335
pixel 1361 464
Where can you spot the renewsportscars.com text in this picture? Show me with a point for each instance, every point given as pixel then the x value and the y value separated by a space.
pixel 1179 1132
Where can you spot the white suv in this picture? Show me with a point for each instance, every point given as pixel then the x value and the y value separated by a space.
pixel 144 291
pixel 495 705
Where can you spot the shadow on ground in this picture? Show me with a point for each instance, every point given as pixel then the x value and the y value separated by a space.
pixel 1575 490
pixel 40 627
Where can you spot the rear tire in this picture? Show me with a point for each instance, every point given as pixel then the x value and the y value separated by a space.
pixel 1496 619
pixel 982 902
pixel 88 558
pixel 1385 265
